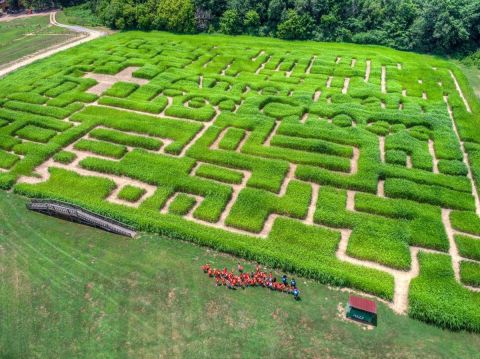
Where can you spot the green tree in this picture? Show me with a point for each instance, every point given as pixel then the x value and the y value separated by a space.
pixel 38 4
pixel 295 26
pixel 442 26
pixel 251 22
pixel 275 10
pixel 13 4
pixel 231 23
pixel 176 16
pixel 145 14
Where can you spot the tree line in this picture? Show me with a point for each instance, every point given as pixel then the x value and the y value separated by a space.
pixel 435 26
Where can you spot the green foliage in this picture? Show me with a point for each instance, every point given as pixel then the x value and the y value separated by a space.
pixel 7 160
pixel 37 134
pixel 396 157
pixel 470 273
pixel 122 138
pixel 182 204
pixel 454 168
pixel 436 297
pixel 465 222
pixel 64 157
pixel 101 148
pixel 131 193
pixel 121 89
pixel 230 22
pixel 251 22
pixel 432 25
pixel 219 174
pixel 468 247
pixel 429 194
pixel 257 99
pixel 295 26
pixel 79 15
pixel 175 15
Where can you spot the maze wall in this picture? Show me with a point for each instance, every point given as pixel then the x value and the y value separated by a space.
pixel 353 165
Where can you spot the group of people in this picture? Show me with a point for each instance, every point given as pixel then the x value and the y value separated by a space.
pixel 252 279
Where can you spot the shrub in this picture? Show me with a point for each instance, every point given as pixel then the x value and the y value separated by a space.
pixel 465 222
pixel 396 157
pixel 101 148
pixel 454 168
pixel 468 247
pixel 232 139
pixel 219 173
pixel 470 273
pixel 121 89
pixel 436 297
pixel 182 204
pixel 230 22
pixel 7 160
pixel 131 193
pixel 147 72
pixel 122 138
pixel 175 15
pixel 137 105
pixel 36 134
pixel 64 157
pixel 295 26
pixel 429 194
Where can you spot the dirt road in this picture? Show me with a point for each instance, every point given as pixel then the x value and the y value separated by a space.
pixel 85 35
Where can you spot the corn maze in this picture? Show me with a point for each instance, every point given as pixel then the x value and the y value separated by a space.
pixel 357 166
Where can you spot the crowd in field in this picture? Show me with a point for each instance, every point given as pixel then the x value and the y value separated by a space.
pixel 243 279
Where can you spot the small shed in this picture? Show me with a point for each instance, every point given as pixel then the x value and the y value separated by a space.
pixel 361 309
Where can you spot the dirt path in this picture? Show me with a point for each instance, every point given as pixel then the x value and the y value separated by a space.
pixel 384 79
pixel 221 135
pixel 8 18
pixel 329 81
pixel 367 70
pixel 246 136
pixel 85 36
pixel 313 204
pixel 346 83
pixel 381 146
pixel 453 249
pixel 310 64
pixel 431 149
pixel 465 158
pixel 104 82
pixel 262 66
pixel 459 90
pixel 272 133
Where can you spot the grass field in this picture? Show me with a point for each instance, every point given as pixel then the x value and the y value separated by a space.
pixel 473 75
pixel 26 36
pixel 356 166
pixel 78 15
pixel 71 291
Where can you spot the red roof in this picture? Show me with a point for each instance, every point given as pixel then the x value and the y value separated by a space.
pixel 363 304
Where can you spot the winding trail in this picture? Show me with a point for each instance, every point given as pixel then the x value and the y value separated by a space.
pixel 465 158
pixel 460 92
pixel 85 36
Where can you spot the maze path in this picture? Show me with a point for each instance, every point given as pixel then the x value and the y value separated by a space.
pixel 255 136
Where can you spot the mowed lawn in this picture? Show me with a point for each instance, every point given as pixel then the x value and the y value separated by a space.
pixel 72 291
pixel 25 36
